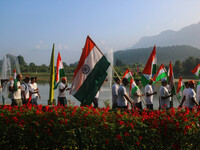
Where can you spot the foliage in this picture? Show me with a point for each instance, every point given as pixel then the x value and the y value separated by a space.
pixel 72 127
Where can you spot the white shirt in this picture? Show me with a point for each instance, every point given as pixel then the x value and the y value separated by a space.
pixel 25 88
pixel 16 94
pixel 35 84
pixel 97 95
pixel 148 99
pixel 198 93
pixel 61 86
pixel 191 94
pixel 164 102
pixel 115 88
pixel 121 101
pixel 32 89
pixel 136 98
pixel 185 92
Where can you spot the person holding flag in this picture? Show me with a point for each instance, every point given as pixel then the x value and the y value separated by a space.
pixel 62 88
pixel 136 94
pixel 165 95
pixel 149 95
pixel 25 90
pixel 115 88
pixel 123 96
pixel 185 92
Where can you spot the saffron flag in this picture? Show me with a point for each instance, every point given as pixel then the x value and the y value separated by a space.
pixel 171 79
pixel 161 73
pixel 150 68
pixel 133 88
pixel 127 75
pixel 52 77
pixel 196 71
pixel 15 74
pixel 90 73
pixel 59 71
pixel 180 88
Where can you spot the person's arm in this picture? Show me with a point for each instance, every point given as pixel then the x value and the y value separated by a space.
pixel 195 101
pixel 62 90
pixel 129 100
pixel 149 94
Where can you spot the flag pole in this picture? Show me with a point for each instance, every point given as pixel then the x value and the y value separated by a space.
pixel 139 91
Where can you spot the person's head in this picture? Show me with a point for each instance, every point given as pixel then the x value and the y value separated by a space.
pixel 191 83
pixel 164 81
pixel 26 80
pixel 117 80
pixel 19 77
pixel 36 79
pixel 32 79
pixel 125 81
pixel 64 80
pixel 137 82
pixel 186 85
pixel 150 81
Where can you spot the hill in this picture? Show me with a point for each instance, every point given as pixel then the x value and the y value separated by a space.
pixel 189 35
pixel 164 54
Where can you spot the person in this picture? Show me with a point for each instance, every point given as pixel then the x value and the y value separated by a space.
pixel 36 81
pixel 15 89
pixel 198 93
pixel 165 95
pixel 25 90
pixel 137 96
pixel 185 92
pixel 33 90
pixel 123 96
pixel 115 88
pixel 62 88
pixel 96 98
pixel 149 95
pixel 190 99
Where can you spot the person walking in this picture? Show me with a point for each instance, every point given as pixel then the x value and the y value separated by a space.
pixel 62 88
pixel 115 88
pixel 149 95
pixel 25 90
pixel 137 96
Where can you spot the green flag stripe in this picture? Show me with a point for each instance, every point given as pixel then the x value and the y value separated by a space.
pixel 144 80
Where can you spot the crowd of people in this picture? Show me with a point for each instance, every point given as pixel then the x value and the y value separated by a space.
pixel 120 98
pixel 25 92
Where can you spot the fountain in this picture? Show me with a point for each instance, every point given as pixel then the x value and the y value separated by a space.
pixel 10 62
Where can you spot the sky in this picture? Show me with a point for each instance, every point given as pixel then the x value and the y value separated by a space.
pixel 30 27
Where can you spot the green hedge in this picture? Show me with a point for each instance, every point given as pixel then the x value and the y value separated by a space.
pixel 29 127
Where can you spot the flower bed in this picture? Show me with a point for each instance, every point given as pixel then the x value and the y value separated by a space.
pixel 73 127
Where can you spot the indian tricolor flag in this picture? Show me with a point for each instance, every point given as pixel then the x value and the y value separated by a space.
pixel 127 75
pixel 90 73
pixel 150 68
pixel 196 70
pixel 59 71
pixel 133 88
pixel 161 73
pixel 180 88
pixel 171 79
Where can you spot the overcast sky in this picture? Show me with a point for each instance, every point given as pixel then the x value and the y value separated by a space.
pixel 30 27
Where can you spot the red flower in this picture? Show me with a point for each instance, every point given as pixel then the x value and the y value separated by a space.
pixel 138 143
pixel 126 134
pixel 107 141
pixel 119 137
pixel 140 137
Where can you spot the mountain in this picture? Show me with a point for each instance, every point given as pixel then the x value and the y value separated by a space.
pixel 189 35
pixel 164 54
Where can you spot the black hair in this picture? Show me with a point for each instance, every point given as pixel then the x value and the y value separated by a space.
pixel 116 79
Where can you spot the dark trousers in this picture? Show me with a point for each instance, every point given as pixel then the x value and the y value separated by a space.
pixel 150 106
pixel 95 102
pixel 138 105
pixel 62 101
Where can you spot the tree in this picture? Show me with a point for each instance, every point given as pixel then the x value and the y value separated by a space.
pixel 21 60
pixel 119 63
pixel 178 68
pixel 188 65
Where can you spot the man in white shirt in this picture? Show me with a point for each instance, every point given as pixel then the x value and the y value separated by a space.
pixel 198 93
pixel 190 100
pixel 165 96
pixel 137 96
pixel 185 92
pixel 149 95
pixel 25 90
pixel 36 81
pixel 115 88
pixel 123 96
pixel 33 90
pixel 15 89
pixel 62 88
